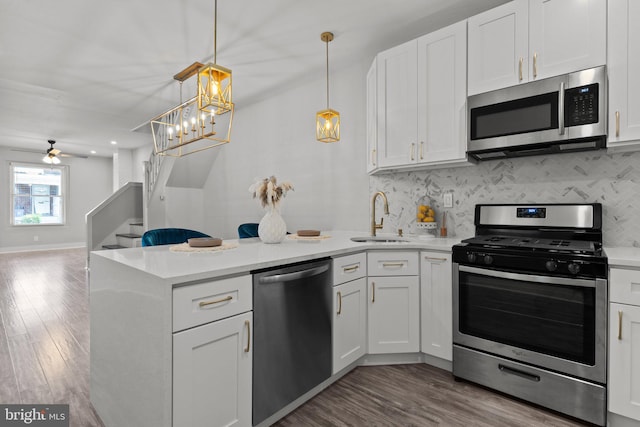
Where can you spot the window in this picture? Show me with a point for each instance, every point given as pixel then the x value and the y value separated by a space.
pixel 38 194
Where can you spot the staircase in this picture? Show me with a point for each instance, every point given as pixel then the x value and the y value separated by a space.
pixel 117 221
pixel 132 239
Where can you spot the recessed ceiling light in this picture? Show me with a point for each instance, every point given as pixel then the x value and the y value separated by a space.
pixel 114 142
pixel 93 151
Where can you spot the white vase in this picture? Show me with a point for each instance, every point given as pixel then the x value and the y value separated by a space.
pixel 272 228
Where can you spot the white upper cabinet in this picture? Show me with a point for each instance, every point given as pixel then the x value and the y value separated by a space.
pixel 419 102
pixel 372 139
pixel 623 68
pixel 527 40
pixel 442 95
pixel 566 36
pixel 498 47
pixel 396 104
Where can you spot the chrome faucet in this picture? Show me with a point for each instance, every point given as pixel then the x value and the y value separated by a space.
pixel 375 226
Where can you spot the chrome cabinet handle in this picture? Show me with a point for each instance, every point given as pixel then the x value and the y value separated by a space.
pixel 350 269
pixel 561 109
pixel 619 324
pixel 248 325
pixel 413 146
pixel 339 302
pixel 218 301
pixel 421 150
pixel 373 291
pixel 520 63
pixel 428 258
pixel 617 123
pixel 535 65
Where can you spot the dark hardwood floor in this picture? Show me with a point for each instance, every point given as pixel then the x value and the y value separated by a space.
pixel 44 358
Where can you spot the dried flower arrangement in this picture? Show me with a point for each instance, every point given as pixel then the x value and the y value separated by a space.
pixel 268 192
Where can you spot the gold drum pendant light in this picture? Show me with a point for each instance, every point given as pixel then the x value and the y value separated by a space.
pixel 192 126
pixel 327 121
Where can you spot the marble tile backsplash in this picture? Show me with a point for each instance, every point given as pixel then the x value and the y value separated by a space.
pixel 610 179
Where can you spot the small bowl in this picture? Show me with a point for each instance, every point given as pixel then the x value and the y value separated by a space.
pixel 308 233
pixel 204 242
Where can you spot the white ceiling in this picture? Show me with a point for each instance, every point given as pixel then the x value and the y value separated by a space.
pixel 87 72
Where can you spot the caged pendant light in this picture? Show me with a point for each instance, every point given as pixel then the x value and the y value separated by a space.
pixel 327 121
pixel 193 125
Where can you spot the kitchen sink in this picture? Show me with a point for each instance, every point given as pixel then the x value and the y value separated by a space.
pixel 379 239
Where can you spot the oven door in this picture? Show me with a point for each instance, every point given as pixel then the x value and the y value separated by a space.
pixel 550 322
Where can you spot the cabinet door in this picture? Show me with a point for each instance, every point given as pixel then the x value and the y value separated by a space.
pixel 498 47
pixel 372 151
pixel 436 304
pixel 624 360
pixel 212 374
pixel 349 323
pixel 397 105
pixel 393 313
pixel 624 68
pixel 442 94
pixel 566 36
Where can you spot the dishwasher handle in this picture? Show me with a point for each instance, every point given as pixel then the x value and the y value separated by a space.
pixel 296 275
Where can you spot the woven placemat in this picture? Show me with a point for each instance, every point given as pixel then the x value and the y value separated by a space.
pixel 296 237
pixel 184 247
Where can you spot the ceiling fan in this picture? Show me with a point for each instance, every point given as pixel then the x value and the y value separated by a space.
pixel 52 155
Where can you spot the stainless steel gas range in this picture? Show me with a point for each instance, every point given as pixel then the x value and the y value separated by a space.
pixel 530 306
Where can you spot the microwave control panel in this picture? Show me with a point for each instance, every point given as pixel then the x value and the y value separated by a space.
pixel 581 105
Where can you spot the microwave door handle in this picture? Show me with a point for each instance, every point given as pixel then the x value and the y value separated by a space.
pixel 561 109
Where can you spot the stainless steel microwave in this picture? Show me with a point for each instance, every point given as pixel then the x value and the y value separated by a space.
pixel 555 115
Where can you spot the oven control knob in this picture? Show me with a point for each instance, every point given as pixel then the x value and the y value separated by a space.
pixel 574 268
pixel 488 259
pixel 471 257
pixel 551 265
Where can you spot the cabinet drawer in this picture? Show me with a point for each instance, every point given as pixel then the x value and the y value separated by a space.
pixel 205 302
pixel 392 263
pixel 624 286
pixel 350 267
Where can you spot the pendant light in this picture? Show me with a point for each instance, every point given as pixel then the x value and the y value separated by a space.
pixel 194 125
pixel 327 121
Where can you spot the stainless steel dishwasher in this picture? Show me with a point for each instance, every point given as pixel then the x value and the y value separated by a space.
pixel 292 334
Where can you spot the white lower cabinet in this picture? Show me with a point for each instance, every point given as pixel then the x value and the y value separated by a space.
pixel 436 304
pixel 212 374
pixel 393 312
pixel 349 323
pixel 393 309
pixel 624 343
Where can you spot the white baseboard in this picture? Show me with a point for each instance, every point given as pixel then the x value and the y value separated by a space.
pixel 49 247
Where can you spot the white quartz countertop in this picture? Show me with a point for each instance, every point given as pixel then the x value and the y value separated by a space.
pixel 252 254
pixel 623 257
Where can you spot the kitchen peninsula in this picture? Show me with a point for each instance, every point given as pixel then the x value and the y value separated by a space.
pixel 144 301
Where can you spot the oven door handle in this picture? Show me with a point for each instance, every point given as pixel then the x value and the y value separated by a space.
pixel 529 278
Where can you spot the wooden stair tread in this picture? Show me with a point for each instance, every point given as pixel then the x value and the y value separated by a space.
pixel 129 235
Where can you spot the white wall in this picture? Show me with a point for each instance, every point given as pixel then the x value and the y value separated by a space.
pixel 90 182
pixel 139 156
pixel 277 137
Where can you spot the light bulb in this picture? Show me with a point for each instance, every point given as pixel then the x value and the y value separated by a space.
pixel 328 124
pixel 170 131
